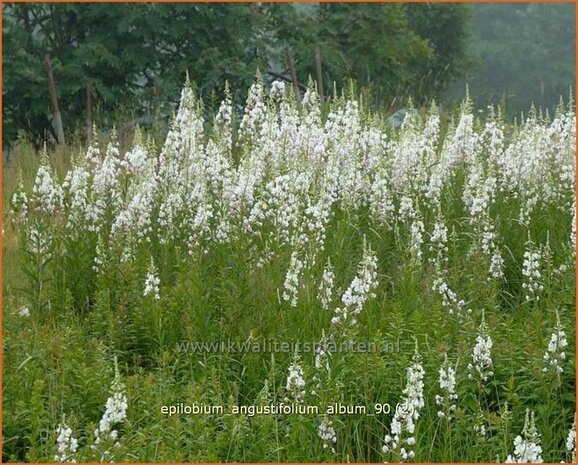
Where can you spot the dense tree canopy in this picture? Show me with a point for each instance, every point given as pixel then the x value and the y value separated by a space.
pixel 134 56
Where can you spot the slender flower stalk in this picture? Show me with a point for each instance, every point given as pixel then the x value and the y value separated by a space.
pixel 66 444
pixel 571 442
pixel 106 434
pixel 447 382
pixel 327 434
pixel 555 356
pixel 532 272
pixel 295 385
pixel 481 368
pixel 359 291
pixel 400 439
pixel 326 287
pixel 527 447
pixel 152 282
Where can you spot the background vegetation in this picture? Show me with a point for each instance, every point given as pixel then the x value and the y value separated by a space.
pixel 124 51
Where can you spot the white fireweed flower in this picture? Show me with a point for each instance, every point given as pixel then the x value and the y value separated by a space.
pixel 135 159
pixel 400 439
pixel 450 300
pixel 295 385
pixel 47 193
pixel 360 289
pixel 406 209
pixel 571 442
pixel 322 352
pixel 322 374
pixel 480 424
pixel 438 244
pixel 555 356
pixel 136 217
pixel 416 240
pixel 325 294
pixel 496 270
pixel 527 447
pixel 82 208
pixel 314 222
pixel 481 367
pixel 19 202
pixel 447 382
pixel 66 444
pixel 152 282
pixel 223 122
pixel 381 207
pixel 254 113
pixel 106 174
pixel 38 242
pixel 292 279
pixel 327 434
pixel 531 271
pixel 93 151
pixel 106 435
pixel 277 89
pixel 488 237
pixel 413 391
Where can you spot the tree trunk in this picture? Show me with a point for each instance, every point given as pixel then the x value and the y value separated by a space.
pixel 53 96
pixel 293 73
pixel 89 122
pixel 319 73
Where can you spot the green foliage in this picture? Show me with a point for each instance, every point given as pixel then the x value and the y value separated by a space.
pixel 125 50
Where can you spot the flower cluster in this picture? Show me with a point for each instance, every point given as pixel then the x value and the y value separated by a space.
pixel 438 244
pixel 66 444
pixel 326 286
pixel 400 439
pixel 481 368
pixel 532 273
pixel 327 434
pixel 296 176
pixel 115 411
pixel 555 355
pixel 527 447
pixel 360 289
pixel 447 382
pixel 152 282
pixel 295 385
pixel 291 285
pixel 571 442
pixel 450 300
pixel 46 191
pixel 106 434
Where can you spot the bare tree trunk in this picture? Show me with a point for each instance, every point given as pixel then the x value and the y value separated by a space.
pixel 319 73
pixel 293 73
pixel 89 114
pixel 52 89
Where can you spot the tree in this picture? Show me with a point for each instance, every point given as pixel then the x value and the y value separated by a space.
pixel 395 50
pixel 134 56
pixel 445 27
pixel 131 55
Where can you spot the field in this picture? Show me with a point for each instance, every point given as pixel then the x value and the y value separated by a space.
pixel 297 282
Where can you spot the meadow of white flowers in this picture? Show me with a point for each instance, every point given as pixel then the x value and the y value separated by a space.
pixel 302 221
